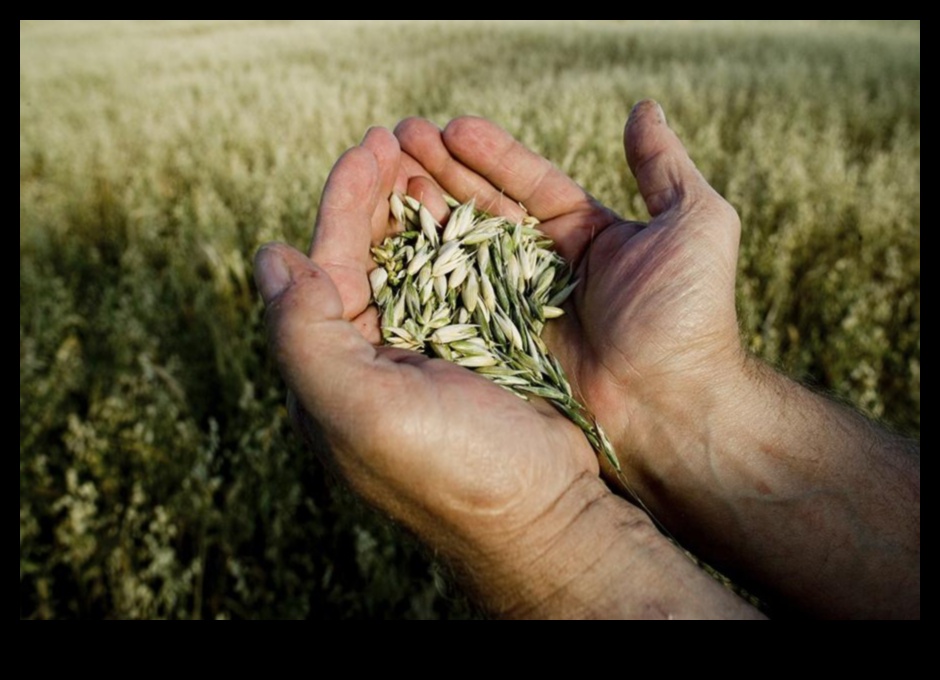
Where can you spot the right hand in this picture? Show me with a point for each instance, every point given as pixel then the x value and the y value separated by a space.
pixel 652 327
pixel 803 498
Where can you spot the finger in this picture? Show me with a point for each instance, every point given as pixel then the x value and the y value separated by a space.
pixel 318 352
pixel 428 192
pixel 353 389
pixel 344 226
pixel 415 181
pixel 423 141
pixel 409 169
pixel 368 325
pixel 516 171
pixel 665 174
pixel 384 147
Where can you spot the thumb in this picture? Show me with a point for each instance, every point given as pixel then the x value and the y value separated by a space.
pixel 318 352
pixel 665 174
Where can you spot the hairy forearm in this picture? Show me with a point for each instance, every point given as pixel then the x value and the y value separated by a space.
pixel 607 561
pixel 806 500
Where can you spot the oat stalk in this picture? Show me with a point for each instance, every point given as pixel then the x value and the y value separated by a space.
pixel 478 291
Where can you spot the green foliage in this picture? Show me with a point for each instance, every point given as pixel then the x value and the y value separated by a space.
pixel 159 476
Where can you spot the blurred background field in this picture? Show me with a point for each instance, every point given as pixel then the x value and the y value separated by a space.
pixel 159 476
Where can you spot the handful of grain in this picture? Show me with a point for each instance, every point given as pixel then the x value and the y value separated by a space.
pixel 478 293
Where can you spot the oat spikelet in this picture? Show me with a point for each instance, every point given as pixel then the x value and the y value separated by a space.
pixel 477 291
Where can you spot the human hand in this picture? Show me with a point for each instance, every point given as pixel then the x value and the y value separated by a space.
pixel 652 326
pixel 485 478
pixel 802 498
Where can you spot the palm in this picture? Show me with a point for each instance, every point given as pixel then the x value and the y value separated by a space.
pixel 478 446
pixel 655 304
pixel 424 439
pixel 648 313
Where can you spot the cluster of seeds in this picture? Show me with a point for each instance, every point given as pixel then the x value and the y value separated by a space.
pixel 478 292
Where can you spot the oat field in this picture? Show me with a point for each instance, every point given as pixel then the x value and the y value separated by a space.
pixel 159 476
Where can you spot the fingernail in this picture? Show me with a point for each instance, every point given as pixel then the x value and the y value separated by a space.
pixel 646 104
pixel 634 111
pixel 271 274
pixel 662 114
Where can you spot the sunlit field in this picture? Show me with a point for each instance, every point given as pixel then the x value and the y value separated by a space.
pixel 159 475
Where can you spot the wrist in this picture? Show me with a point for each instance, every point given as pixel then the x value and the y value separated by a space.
pixel 593 555
pixel 573 569
pixel 696 451
pixel 678 427
pixel 556 564
pixel 674 454
pixel 538 567
pixel 758 473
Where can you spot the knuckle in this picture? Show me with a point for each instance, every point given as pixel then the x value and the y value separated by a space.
pixel 727 213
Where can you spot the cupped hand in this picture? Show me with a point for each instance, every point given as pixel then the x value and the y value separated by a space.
pixel 483 476
pixel 652 326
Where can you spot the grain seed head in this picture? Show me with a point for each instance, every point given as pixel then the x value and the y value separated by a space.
pixel 478 294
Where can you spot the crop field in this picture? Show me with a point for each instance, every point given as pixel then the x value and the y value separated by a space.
pixel 159 474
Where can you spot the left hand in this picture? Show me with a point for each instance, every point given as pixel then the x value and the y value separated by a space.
pixel 486 478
